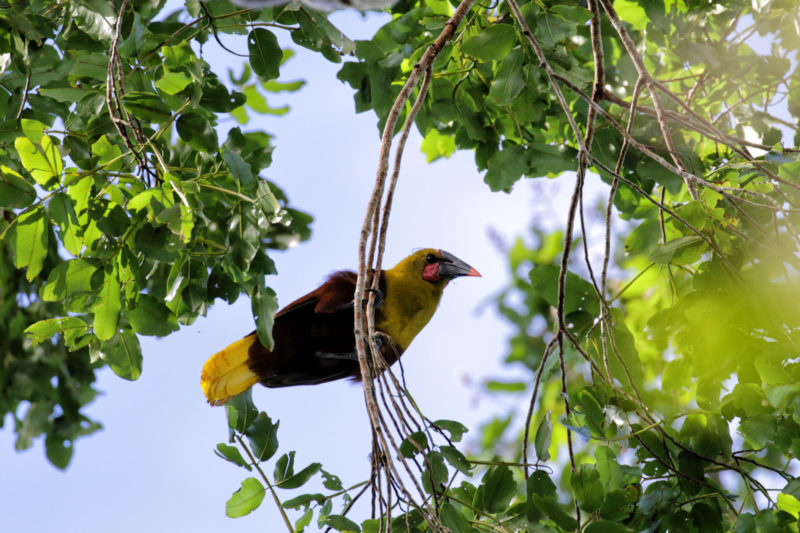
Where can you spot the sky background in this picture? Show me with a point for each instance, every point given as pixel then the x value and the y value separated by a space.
pixel 152 467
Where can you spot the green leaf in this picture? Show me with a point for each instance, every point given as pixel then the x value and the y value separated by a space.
pixel 304 500
pixel 265 53
pixel 506 167
pixel 246 499
pixel 456 429
pixel 106 309
pixel 29 238
pixel 680 251
pixel 232 454
pixel 263 437
pixel 106 153
pixel 238 168
pixel 241 411
pixel 586 487
pixel 148 107
pixel 509 81
pixel 579 294
pixel 123 354
pixel 542 440
pixel 197 131
pixel 553 509
pixel 265 304
pixel 788 503
pixel 456 459
pixel 435 145
pixel 506 386
pixel 42 160
pixel 341 523
pixel 173 82
pixel 498 487
pixel 632 12
pixel 415 443
pixel 151 317
pixel 331 481
pixel 493 43
pixel 453 519
pixel 286 478
pixel 58 450
pixel 15 192
pixel 70 327
pixel 434 475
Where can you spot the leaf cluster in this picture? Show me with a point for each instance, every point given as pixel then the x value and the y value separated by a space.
pixel 124 209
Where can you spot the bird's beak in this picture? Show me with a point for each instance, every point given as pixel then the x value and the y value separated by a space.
pixel 453 267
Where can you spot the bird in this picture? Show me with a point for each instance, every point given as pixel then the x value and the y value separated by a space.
pixel 313 336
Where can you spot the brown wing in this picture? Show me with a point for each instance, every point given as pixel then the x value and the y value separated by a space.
pixel 314 340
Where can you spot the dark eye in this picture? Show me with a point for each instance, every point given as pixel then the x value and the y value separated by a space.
pixel 430 258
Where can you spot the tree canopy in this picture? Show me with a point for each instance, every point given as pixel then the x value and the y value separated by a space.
pixel 657 366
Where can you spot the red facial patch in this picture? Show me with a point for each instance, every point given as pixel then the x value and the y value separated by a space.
pixel 431 272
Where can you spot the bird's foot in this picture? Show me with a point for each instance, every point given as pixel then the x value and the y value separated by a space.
pixel 378 296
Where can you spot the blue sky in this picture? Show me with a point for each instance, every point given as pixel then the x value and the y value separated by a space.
pixel 152 467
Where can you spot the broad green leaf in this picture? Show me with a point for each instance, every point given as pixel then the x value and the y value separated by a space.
pixel 342 523
pixel 69 283
pixel 542 440
pixel 632 13
pixel 241 411
pixel 58 450
pixel 551 507
pixel 287 478
pixel 265 53
pixel 456 429
pixel 493 43
pixel 107 307
pixel 148 107
pixel 149 316
pixel 683 250
pixel 435 145
pixel 29 238
pixel 453 519
pixel 232 454
pixel 123 354
pixel 506 386
pixel 263 437
pixel 586 487
pixel 106 153
pixel 42 159
pixel 506 167
pixel 246 499
pixel 265 304
pixel 197 131
pixel 70 327
pixel 509 81
pixel 788 503
pixel 239 169
pixel 284 467
pixel 304 500
pixel 173 82
pixel 579 294
pixel 456 459
pixel 498 487
pixel 276 86
pixel 15 192
pixel 415 443
pixel 435 474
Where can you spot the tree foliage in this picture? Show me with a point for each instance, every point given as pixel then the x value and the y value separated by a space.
pixel 657 367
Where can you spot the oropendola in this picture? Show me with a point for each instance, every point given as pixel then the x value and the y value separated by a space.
pixel 314 340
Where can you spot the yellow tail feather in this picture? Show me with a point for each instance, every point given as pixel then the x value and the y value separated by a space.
pixel 227 373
